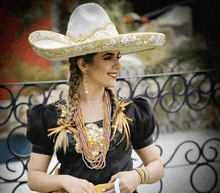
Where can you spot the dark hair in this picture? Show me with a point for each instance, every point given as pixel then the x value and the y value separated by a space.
pixel 88 59
pixel 74 82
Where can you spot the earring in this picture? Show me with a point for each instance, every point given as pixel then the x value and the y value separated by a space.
pixel 86 83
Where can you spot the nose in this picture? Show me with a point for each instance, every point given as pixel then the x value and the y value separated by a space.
pixel 117 65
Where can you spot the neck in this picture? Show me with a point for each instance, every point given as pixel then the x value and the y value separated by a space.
pixel 94 95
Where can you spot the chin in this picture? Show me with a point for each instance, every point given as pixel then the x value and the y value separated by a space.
pixel 110 85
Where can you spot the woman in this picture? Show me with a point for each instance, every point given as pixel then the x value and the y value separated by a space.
pixel 93 132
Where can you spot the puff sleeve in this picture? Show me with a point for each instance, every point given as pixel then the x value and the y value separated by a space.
pixel 36 132
pixel 142 124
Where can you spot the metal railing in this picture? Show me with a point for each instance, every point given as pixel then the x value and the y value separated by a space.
pixel 170 92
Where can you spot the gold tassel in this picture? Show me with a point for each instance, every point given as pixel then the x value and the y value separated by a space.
pixel 63 125
pixel 121 122
pixel 62 135
pixel 86 83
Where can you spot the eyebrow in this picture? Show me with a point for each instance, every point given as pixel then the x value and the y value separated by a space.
pixel 110 54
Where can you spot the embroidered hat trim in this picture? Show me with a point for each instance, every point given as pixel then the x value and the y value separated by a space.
pixel 54 46
pixel 107 30
pixel 90 30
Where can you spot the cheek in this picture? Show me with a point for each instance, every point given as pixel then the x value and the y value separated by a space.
pixel 100 70
pixel 97 75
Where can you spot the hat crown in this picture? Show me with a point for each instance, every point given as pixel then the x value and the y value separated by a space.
pixel 86 18
pixel 89 31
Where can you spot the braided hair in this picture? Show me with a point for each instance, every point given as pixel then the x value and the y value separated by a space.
pixel 75 78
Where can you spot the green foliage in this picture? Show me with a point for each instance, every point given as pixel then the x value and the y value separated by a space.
pixel 194 55
pixel 27 19
pixel 198 58
pixel 22 71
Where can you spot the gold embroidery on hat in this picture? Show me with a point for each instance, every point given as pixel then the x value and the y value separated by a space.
pixel 48 35
pixel 126 42
pixel 81 38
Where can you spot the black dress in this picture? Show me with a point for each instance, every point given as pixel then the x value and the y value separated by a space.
pixel 42 117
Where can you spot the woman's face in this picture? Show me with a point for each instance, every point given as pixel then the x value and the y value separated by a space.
pixel 104 69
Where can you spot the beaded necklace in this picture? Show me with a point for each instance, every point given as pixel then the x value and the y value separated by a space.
pixel 93 142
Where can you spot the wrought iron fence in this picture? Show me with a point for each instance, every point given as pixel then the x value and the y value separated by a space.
pixel 170 93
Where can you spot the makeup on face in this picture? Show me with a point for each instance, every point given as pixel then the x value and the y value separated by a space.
pixel 110 55
pixel 105 68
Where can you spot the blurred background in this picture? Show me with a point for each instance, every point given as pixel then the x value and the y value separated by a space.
pixel 191 26
pixel 186 105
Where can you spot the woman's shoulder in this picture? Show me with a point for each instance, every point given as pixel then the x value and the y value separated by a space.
pixel 142 124
pixel 138 111
pixel 48 114
pixel 40 118
pixel 57 106
pixel 139 104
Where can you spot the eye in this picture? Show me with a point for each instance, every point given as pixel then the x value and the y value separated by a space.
pixel 108 58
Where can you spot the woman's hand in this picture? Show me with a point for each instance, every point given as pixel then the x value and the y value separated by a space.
pixel 76 185
pixel 128 182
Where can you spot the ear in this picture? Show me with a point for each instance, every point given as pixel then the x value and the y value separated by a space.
pixel 82 64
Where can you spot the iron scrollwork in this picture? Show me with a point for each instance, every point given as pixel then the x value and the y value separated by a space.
pixel 170 92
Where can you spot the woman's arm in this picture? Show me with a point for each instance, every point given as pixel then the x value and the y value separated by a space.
pixel 152 161
pixel 129 180
pixel 40 181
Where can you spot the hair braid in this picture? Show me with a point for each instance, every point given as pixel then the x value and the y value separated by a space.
pixel 114 100
pixel 74 83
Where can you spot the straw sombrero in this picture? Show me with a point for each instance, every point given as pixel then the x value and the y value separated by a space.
pixel 90 30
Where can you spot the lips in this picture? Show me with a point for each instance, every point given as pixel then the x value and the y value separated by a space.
pixel 113 74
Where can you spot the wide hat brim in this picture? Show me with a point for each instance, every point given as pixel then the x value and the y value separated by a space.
pixel 55 46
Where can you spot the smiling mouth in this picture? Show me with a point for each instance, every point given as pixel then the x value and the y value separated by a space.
pixel 113 75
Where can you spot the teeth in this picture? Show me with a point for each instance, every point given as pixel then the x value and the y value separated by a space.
pixel 113 75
